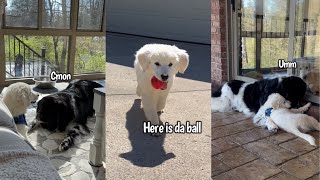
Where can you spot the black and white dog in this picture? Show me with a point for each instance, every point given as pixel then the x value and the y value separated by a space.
pixel 247 98
pixel 67 110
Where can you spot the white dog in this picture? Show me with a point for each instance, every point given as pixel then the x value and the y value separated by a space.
pixel 156 66
pixel 275 113
pixel 18 97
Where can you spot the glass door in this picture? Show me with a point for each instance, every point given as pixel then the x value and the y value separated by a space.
pixel 274 38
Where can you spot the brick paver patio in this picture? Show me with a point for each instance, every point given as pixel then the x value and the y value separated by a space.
pixel 241 150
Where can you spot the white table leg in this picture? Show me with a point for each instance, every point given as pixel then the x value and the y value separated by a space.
pixel 97 147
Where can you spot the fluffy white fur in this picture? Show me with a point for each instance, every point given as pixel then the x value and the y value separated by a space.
pixel 18 97
pixel 145 64
pixel 290 120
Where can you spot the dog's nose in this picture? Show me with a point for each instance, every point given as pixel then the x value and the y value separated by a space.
pixel 164 77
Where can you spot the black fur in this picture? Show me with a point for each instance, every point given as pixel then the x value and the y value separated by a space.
pixel 235 86
pixel 256 94
pixel 74 104
pixel 217 93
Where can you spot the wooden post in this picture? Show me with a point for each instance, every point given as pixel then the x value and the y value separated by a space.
pixel 292 15
pixel 97 147
pixel 43 56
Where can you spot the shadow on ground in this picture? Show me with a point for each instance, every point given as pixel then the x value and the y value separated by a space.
pixel 147 151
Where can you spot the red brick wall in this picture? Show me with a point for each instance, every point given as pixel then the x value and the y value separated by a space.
pixel 219 66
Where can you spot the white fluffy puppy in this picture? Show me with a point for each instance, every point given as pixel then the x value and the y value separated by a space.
pixel 278 115
pixel 18 97
pixel 156 66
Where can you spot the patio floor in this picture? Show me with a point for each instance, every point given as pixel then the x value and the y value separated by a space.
pixel 241 150
pixel 72 164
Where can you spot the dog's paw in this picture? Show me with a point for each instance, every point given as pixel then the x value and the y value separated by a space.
pixel 273 129
pixel 306 107
pixel 63 146
pixel 32 127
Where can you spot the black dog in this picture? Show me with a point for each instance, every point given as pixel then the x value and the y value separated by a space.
pixel 249 97
pixel 68 109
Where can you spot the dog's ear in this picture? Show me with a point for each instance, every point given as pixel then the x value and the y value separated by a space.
pixel 275 105
pixel 143 59
pixel 23 97
pixel 183 60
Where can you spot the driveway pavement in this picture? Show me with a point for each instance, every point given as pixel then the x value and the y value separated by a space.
pixel 130 154
pixel 121 49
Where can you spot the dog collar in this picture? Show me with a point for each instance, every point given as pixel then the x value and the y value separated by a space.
pixel 21 119
pixel 268 112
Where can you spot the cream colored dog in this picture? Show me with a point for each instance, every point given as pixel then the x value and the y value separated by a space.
pixel 161 63
pixel 18 97
pixel 278 115
pixel 312 79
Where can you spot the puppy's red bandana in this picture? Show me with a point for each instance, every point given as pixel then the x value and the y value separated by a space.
pixel 157 84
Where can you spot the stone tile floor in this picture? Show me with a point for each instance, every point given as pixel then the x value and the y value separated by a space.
pixel 241 150
pixel 73 163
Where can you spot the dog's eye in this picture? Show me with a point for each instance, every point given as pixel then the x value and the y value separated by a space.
pixel 157 64
pixel 170 64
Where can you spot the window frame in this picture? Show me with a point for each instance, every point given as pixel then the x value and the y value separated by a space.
pixel 72 33
pixel 234 31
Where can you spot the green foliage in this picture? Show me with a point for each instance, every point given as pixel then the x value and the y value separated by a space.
pixel 90 51
pixel 90 55
pixel 274 20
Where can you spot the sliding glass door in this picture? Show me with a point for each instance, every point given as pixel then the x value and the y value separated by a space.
pixel 273 38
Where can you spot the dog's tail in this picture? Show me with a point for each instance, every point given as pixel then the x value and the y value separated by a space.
pixel 72 136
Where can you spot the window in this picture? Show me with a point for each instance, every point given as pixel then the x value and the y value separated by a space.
pixel 269 31
pixel 264 34
pixel 21 13
pixel 56 14
pixel 90 14
pixel 29 56
pixel 90 55
pixel 39 37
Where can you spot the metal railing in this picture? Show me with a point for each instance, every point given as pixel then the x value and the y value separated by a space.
pixel 24 61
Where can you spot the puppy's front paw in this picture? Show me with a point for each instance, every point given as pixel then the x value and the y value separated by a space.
pixel 306 107
pixel 272 128
pixel 32 127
